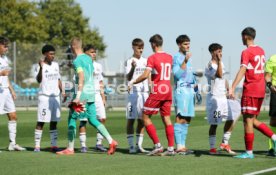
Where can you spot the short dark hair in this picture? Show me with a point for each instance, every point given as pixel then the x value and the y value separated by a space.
pixel 182 38
pixel 214 46
pixel 4 40
pixel 249 31
pixel 47 48
pixel 156 39
pixel 138 42
pixel 88 47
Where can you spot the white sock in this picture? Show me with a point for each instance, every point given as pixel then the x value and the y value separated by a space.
pixel 170 148
pixel 12 131
pixel 53 136
pixel 273 137
pixel 130 140
pixel 37 137
pixel 179 146
pixel 212 141
pixel 249 152
pixel 157 145
pixel 83 139
pixel 139 140
pixel 226 137
pixel 99 138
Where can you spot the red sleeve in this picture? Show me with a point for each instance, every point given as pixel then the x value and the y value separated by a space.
pixel 244 59
pixel 150 62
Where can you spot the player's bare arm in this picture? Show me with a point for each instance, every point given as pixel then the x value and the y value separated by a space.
pixel 12 90
pixel 237 80
pixel 39 75
pixel 187 57
pixel 130 74
pixel 80 87
pixel 5 72
pixel 102 92
pixel 268 82
pixel 141 78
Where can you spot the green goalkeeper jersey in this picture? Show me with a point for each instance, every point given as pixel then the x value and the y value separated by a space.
pixel 270 67
pixel 83 63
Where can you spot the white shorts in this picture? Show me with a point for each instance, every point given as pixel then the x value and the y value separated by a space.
pixel 234 111
pixel 6 101
pixel 217 108
pixel 135 105
pixel 48 109
pixel 100 108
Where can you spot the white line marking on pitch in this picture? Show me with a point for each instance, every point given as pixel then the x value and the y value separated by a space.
pixel 262 171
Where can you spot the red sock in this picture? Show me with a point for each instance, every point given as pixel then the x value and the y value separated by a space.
pixel 152 133
pixel 170 135
pixel 249 139
pixel 263 128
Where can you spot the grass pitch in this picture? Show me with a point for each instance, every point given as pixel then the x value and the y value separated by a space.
pixel 122 163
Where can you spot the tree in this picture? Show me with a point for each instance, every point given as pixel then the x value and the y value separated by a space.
pixel 21 21
pixel 65 20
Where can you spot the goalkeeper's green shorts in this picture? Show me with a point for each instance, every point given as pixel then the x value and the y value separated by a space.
pixel 90 112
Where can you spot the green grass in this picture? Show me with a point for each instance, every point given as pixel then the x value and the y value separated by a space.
pixel 45 162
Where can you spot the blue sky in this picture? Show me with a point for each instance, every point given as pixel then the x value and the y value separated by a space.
pixel 221 21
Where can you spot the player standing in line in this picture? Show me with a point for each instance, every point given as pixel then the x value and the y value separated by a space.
pixel 270 76
pixel 216 102
pixel 99 102
pixel 134 67
pixel 7 95
pixel 50 87
pixel 159 65
pixel 84 93
pixel 252 67
pixel 184 95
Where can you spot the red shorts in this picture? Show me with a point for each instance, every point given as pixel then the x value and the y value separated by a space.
pixel 251 105
pixel 152 106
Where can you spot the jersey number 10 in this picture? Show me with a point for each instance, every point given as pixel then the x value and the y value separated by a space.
pixel 165 71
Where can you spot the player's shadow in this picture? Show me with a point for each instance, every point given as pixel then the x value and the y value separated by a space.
pixel 47 149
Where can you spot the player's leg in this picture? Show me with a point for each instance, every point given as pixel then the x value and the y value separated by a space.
pixel 91 113
pixel 38 135
pixel 130 135
pixel 82 135
pixel 101 116
pixel 152 107
pixel 227 131
pixel 142 97
pixel 165 112
pixel 71 136
pixel 248 120
pixel 55 118
pixel 212 139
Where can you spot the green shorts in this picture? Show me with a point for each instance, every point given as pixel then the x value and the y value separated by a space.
pixel 90 112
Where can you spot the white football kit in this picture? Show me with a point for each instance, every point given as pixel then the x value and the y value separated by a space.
pixel 6 100
pixel 49 93
pixel 139 92
pixel 216 101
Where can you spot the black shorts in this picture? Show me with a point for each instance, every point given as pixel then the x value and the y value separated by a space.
pixel 272 105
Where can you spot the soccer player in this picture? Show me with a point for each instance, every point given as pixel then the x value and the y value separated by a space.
pixel 184 82
pixel 7 95
pixel 99 102
pixel 159 65
pixel 84 94
pixel 252 68
pixel 134 67
pixel 270 76
pixel 216 102
pixel 50 88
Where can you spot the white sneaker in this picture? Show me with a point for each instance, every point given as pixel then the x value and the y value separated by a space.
pixel 132 150
pixel 156 151
pixel 16 147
